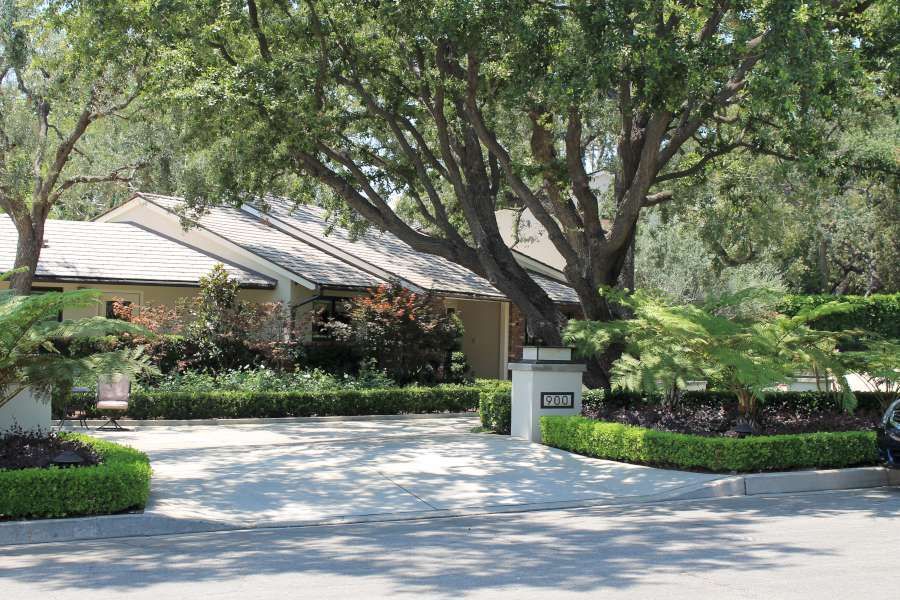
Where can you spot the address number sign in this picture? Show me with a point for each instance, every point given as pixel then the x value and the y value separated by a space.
pixel 557 399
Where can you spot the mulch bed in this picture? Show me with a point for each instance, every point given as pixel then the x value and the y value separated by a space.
pixel 25 450
pixel 716 419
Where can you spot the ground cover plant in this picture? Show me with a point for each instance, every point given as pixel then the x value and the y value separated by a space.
pixel 23 450
pixel 714 415
pixel 264 379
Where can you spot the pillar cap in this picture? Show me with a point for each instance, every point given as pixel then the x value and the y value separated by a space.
pixel 565 366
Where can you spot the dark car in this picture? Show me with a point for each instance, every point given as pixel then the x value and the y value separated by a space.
pixel 889 436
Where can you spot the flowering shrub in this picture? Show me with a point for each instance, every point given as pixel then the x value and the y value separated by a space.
pixel 215 330
pixel 408 335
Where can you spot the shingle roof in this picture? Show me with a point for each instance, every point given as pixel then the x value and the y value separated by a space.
pixel 90 251
pixel 558 291
pixel 262 240
pixel 320 255
pixel 384 251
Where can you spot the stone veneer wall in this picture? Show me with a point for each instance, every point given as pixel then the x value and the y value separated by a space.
pixel 516 332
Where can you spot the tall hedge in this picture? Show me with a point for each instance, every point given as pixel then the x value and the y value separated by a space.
pixel 878 313
pixel 626 443
pixel 234 405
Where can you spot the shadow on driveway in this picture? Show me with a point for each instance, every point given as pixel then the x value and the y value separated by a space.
pixel 580 550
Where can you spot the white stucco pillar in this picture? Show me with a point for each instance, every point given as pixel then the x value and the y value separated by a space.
pixel 545 382
pixel 27 411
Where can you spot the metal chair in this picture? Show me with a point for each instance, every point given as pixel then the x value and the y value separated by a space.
pixel 113 395
pixel 76 407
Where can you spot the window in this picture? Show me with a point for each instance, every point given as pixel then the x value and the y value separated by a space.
pixel 110 307
pixel 42 290
pixel 327 309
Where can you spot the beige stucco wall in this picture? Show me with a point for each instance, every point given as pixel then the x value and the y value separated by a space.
pixel 482 340
pixel 140 295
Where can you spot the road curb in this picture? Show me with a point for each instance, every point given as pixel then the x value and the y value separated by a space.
pixel 72 425
pixel 149 524
pixel 758 484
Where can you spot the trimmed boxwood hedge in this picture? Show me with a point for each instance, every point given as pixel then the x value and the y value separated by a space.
pixel 878 313
pixel 495 406
pixel 244 405
pixel 627 443
pixel 120 482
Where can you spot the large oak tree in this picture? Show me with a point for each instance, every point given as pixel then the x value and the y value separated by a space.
pixel 65 92
pixel 424 117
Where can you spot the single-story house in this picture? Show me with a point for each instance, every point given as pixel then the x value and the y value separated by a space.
pixel 142 252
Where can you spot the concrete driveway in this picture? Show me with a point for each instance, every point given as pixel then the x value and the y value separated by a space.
pixel 271 474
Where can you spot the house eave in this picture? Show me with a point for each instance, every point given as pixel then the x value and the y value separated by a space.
pixel 138 282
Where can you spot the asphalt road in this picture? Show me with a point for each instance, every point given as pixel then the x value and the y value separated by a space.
pixel 828 545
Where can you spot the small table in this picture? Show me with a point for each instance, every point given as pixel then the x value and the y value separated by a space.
pixel 79 406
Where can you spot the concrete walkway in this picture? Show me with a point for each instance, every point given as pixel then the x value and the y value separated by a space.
pixel 265 475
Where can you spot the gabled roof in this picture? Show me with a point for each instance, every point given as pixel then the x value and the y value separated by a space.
pixel 125 253
pixel 299 239
pixel 381 251
pixel 384 251
pixel 266 242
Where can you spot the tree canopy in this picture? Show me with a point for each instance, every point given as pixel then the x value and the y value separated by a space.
pixel 67 90
pixel 423 118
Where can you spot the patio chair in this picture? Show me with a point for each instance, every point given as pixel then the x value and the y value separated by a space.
pixel 112 396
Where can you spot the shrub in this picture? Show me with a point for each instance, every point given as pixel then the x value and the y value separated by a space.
pixel 495 405
pixel 214 330
pixel 326 402
pixel 732 340
pixel 626 443
pixel 878 313
pixel 120 482
pixel 406 334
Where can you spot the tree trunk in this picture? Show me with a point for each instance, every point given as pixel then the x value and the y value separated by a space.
pixel 28 253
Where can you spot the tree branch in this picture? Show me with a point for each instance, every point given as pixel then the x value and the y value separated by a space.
pixel 116 175
pixel 261 40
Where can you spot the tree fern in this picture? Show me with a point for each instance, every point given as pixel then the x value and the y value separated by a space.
pixel 737 340
pixel 29 331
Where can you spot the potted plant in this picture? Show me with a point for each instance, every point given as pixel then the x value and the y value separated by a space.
pixel 30 362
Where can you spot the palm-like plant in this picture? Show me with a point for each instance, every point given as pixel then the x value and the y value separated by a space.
pixel 29 330
pixel 747 351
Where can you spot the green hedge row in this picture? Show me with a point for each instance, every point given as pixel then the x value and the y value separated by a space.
pixel 495 406
pixel 120 482
pixel 631 444
pixel 808 401
pixel 878 313
pixel 243 405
